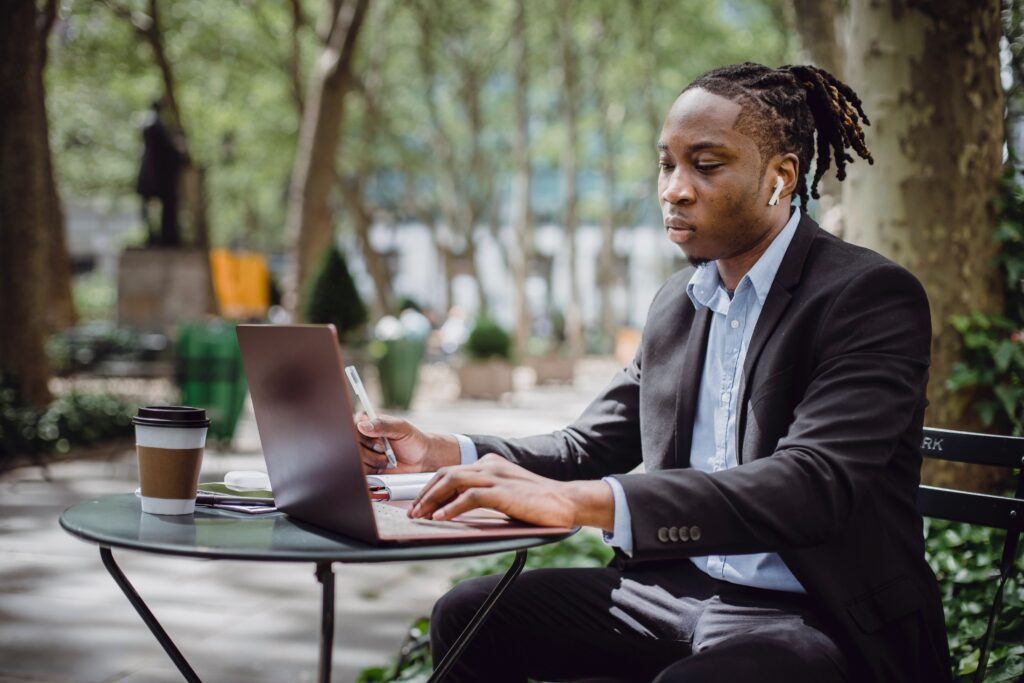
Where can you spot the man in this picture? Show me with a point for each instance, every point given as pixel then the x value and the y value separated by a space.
pixel 776 401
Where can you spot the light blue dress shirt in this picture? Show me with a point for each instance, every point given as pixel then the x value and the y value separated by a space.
pixel 713 446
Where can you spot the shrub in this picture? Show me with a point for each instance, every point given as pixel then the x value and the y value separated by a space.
pixel 77 419
pixel 487 340
pixel 332 297
pixel 963 558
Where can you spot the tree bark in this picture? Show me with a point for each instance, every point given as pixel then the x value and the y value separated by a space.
pixel 309 223
pixel 928 74
pixel 815 22
pixel 522 228
pixel 62 307
pixel 570 118
pixel 24 201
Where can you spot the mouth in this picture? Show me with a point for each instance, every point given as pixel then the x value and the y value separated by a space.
pixel 679 231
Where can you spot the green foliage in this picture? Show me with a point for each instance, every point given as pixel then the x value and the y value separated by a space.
pixel 413 663
pixel 333 298
pixel 964 559
pixel 992 365
pixel 95 296
pixel 488 340
pixel 76 419
pixel 81 348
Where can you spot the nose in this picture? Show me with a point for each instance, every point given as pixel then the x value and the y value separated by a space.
pixel 677 189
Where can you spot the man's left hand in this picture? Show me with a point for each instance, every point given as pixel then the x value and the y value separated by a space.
pixel 494 482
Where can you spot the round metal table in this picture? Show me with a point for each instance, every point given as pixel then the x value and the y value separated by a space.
pixel 217 534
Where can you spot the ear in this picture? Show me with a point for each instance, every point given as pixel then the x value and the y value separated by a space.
pixel 787 167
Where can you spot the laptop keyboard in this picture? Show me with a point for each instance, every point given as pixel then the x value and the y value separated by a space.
pixel 393 521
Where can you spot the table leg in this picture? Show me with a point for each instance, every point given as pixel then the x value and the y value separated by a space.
pixel 147 616
pixel 325 575
pixel 477 621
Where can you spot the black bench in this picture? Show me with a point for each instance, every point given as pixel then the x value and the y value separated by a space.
pixel 999 512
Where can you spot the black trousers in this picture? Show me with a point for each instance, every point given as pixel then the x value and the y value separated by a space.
pixel 659 623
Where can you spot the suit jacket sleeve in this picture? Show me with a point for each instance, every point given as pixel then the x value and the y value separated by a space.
pixel 604 440
pixel 868 382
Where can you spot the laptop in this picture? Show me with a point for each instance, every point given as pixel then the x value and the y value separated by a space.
pixel 304 416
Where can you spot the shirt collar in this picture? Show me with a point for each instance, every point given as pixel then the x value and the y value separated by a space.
pixel 705 285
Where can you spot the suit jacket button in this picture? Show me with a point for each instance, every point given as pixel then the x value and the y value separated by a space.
pixel 673 533
pixel 695 533
pixel 663 535
pixel 684 534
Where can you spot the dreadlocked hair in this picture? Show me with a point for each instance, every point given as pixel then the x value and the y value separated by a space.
pixel 783 108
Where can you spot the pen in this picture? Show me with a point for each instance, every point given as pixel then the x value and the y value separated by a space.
pixel 357 386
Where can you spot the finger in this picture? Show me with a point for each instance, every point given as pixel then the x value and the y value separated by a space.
pixel 385 426
pixel 372 444
pixel 445 487
pixel 464 502
pixel 373 459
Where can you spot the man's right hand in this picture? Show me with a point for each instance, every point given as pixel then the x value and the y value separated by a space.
pixel 415 450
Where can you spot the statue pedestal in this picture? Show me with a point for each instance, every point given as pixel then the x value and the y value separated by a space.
pixel 158 287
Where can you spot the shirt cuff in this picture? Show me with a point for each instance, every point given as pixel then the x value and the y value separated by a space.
pixel 467 450
pixel 622 533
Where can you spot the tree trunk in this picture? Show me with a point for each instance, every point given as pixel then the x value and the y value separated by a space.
pixel 58 261
pixel 309 222
pixel 24 201
pixel 570 97
pixel 522 248
pixel 929 79
pixel 815 22
pixel 362 219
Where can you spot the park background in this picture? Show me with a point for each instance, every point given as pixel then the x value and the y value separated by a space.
pixel 454 182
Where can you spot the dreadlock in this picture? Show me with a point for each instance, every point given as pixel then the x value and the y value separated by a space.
pixel 783 108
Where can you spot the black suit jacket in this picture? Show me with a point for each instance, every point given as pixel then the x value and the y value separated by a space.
pixel 831 410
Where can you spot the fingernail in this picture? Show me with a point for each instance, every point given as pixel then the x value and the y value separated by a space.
pixel 365 426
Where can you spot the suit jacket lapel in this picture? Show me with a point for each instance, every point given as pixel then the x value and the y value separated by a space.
pixel 775 305
pixel 689 385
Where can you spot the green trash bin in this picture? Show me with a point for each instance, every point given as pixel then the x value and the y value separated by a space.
pixel 398 365
pixel 211 376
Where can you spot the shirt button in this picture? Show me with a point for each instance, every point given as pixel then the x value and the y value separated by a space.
pixel 725 397
pixel 734 324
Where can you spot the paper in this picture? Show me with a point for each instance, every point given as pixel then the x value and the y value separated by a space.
pixel 400 486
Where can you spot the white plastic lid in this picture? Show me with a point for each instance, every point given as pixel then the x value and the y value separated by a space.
pixel 246 480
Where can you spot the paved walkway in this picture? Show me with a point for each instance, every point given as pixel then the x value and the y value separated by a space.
pixel 63 620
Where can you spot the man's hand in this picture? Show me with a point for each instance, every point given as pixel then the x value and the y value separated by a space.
pixel 415 450
pixel 494 482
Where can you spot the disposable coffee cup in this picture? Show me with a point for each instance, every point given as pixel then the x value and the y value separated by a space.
pixel 169 441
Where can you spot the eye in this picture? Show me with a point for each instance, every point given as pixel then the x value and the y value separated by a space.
pixel 664 165
pixel 706 168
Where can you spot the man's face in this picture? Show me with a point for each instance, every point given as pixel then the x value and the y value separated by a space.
pixel 710 185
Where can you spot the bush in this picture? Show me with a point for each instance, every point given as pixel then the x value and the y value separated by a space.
pixel 77 419
pixel 332 297
pixel 963 558
pixel 488 340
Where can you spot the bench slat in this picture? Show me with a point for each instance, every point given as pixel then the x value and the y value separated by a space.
pixel 974 508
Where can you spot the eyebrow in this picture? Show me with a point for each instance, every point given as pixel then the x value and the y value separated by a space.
pixel 697 146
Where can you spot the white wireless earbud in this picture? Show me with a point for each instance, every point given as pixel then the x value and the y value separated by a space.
pixel 778 190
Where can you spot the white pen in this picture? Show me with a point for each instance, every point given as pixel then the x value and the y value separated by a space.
pixel 357 386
